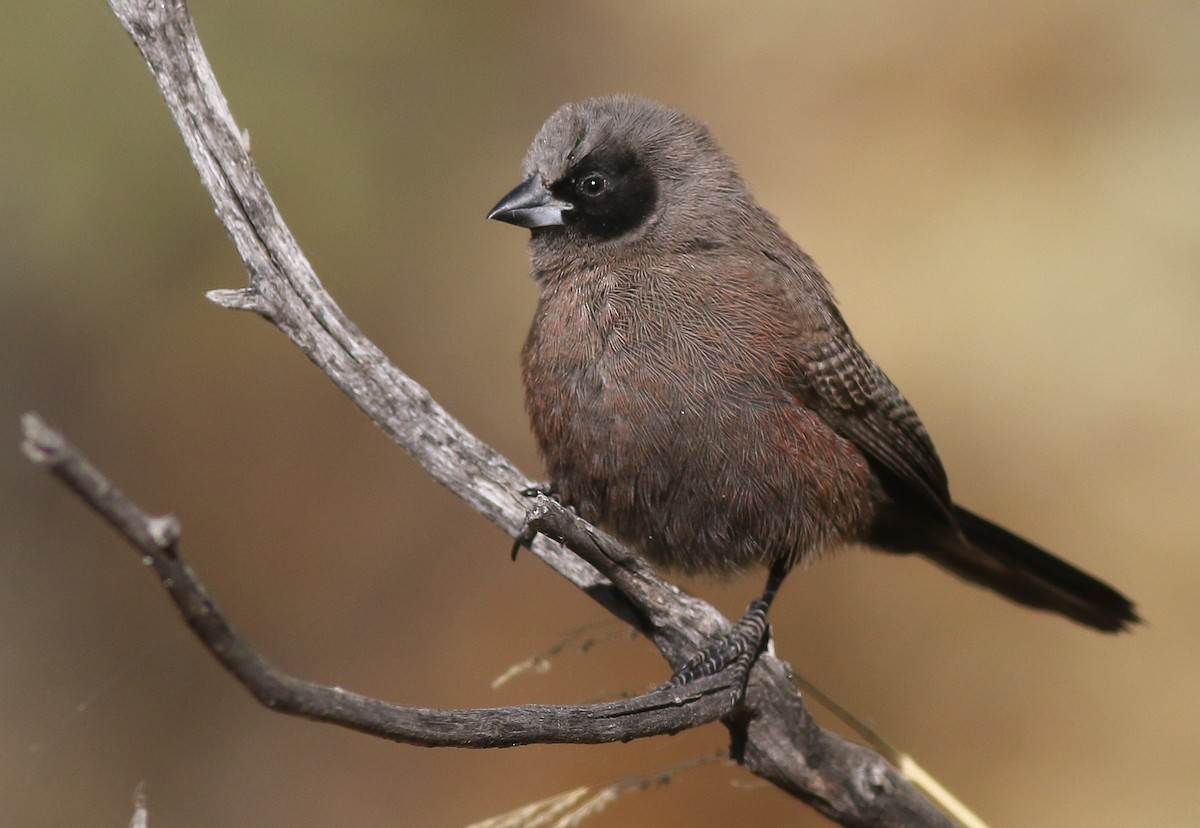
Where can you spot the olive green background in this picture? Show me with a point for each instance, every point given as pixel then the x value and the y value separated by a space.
pixel 1006 198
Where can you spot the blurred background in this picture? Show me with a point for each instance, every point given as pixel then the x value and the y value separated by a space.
pixel 1005 197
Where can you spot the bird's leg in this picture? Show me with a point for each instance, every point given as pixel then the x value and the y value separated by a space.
pixel 742 644
pixel 526 537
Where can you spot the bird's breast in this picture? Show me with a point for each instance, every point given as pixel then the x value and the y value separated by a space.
pixel 669 423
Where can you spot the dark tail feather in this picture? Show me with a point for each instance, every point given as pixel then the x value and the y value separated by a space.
pixel 999 560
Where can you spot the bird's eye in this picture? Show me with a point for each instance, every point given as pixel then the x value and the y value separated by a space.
pixel 592 184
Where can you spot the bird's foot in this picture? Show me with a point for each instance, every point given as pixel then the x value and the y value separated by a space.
pixel 739 647
pixel 549 488
pixel 527 535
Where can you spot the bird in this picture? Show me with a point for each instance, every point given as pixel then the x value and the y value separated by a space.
pixel 693 387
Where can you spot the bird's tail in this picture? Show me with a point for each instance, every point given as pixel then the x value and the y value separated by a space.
pixel 1014 567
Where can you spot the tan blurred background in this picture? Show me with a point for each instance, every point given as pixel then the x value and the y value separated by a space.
pixel 1006 198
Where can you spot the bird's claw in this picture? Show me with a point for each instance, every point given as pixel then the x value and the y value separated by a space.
pixel 528 534
pixel 524 538
pixel 547 487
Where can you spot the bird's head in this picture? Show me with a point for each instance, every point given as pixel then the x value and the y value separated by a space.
pixel 621 171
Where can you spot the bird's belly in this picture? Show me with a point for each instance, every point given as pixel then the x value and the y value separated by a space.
pixel 701 475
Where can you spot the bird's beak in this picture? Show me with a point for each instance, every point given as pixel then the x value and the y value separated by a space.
pixel 530 205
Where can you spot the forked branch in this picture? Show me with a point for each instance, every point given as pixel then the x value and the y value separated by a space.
pixel 157 539
pixel 773 734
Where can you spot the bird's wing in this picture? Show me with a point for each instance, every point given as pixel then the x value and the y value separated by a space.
pixel 834 377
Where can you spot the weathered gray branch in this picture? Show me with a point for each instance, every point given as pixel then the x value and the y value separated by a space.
pixel 666 710
pixel 774 736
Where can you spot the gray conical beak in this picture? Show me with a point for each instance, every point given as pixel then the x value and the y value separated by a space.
pixel 530 205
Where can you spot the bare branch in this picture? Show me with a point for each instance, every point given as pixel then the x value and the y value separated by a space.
pixel 667 710
pixel 285 290
pixel 774 736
